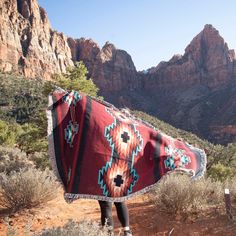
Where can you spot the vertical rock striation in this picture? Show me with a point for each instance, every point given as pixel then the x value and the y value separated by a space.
pixel 28 45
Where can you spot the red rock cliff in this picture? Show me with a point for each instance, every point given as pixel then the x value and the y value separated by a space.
pixel 29 46
pixel 27 43
pixel 207 61
pixel 111 69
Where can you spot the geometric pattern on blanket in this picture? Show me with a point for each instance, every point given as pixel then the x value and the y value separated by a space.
pixel 176 158
pixel 117 178
pixel 99 152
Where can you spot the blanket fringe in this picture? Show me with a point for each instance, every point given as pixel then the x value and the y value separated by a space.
pixel 51 150
pixel 70 197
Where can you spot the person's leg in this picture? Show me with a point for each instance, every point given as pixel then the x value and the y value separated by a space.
pixel 123 216
pixel 106 213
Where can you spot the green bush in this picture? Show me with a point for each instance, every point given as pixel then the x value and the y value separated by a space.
pixel 21 99
pixel 26 189
pixel 228 156
pixel 40 160
pixel 9 133
pixel 221 172
pixel 32 139
pixel 75 78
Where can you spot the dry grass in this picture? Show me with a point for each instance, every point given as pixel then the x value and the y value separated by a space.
pixel 13 159
pixel 73 228
pixel 177 194
pixel 26 189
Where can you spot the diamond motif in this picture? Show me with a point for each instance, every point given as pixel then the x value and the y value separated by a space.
pixel 70 132
pixel 176 158
pixel 109 182
pixel 118 177
pixel 73 96
pixel 125 139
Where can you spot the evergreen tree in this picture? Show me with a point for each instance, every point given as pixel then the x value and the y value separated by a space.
pixel 75 78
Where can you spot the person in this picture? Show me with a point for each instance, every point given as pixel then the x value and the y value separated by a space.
pixel 122 213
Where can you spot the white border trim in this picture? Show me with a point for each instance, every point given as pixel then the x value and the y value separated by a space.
pixel 51 150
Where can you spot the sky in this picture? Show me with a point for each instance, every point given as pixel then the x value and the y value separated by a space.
pixel 150 31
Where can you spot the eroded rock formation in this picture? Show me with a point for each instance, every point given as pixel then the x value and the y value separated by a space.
pixel 28 45
pixel 207 61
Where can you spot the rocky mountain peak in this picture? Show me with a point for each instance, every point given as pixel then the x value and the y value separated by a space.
pixel 208 49
pixel 109 45
pixel 28 45
pixel 83 49
pixel 210 28
pixel 108 51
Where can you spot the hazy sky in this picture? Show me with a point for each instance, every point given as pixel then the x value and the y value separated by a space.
pixel 149 30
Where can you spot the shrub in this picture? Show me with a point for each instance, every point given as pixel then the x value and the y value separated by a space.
pixel 9 133
pixel 21 98
pixel 221 172
pixel 26 189
pixel 75 78
pixel 40 160
pixel 73 228
pixel 13 159
pixel 32 140
pixel 178 194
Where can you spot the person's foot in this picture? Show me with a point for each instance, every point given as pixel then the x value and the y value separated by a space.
pixel 127 233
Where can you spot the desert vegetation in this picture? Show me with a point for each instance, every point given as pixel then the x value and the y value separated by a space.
pixel 178 195
pixel 73 228
pixel 26 180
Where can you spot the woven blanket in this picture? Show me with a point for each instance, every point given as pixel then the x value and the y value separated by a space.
pixel 99 152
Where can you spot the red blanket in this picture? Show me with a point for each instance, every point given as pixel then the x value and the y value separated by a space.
pixel 101 153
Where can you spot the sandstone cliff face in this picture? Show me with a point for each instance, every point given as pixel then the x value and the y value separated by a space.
pixel 27 43
pixel 111 69
pixel 207 61
pixel 29 46
pixel 197 91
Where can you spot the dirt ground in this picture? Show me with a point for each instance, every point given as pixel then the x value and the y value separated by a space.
pixel 145 219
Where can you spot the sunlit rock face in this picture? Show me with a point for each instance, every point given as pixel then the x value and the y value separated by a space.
pixel 206 61
pixel 28 45
pixel 111 69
